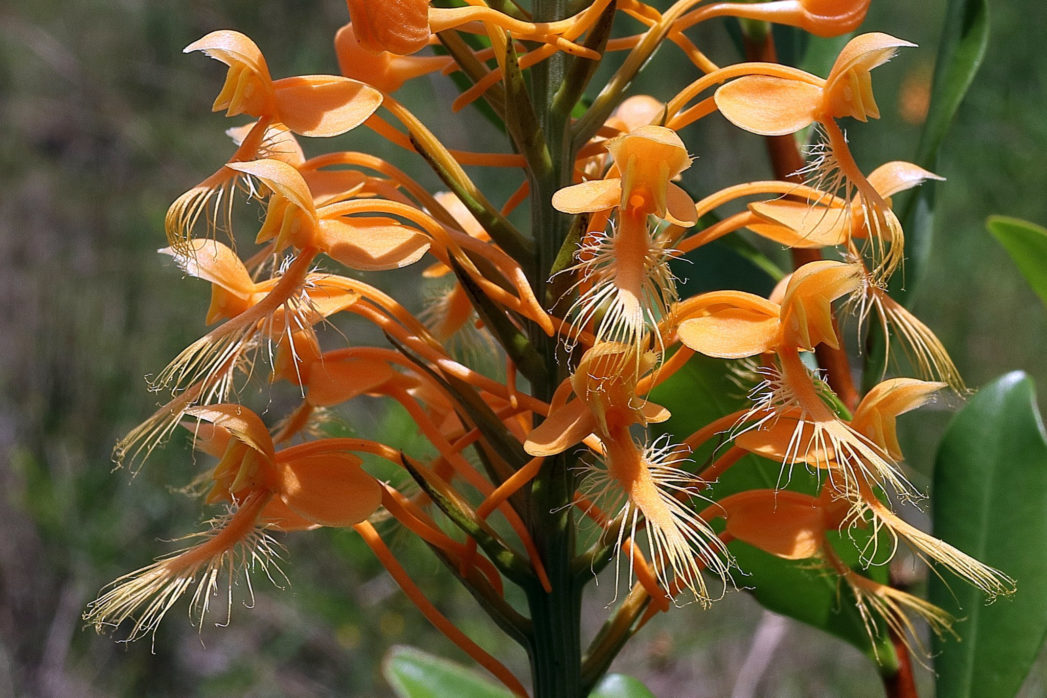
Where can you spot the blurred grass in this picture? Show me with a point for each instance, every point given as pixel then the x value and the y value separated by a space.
pixel 105 122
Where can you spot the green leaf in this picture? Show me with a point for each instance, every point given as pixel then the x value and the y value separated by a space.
pixel 799 589
pixel 960 52
pixel 961 49
pixel 990 486
pixel 416 674
pixel 1027 244
pixel 620 686
pixel 697 394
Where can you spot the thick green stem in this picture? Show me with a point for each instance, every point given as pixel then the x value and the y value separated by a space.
pixel 556 644
pixel 550 226
pixel 555 649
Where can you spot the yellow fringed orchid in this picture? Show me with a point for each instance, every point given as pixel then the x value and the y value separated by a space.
pixel 637 483
pixel 328 488
pixel 775 105
pixel 646 160
pixel 793 526
pixel 405 26
pixel 819 17
pixel 387 70
pixel 625 274
pixel 310 105
pixel 292 218
pixel 293 489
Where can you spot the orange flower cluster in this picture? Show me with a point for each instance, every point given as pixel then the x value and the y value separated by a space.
pixel 582 310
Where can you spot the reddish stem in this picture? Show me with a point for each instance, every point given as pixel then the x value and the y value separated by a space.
pixel 902 683
pixel 787 161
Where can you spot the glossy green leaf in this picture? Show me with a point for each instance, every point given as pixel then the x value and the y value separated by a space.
pixel 416 674
pixel 1027 244
pixel 702 391
pixel 697 394
pixel 961 49
pixel 620 686
pixel 960 52
pixel 990 500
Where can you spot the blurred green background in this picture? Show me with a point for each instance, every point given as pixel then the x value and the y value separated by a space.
pixel 103 122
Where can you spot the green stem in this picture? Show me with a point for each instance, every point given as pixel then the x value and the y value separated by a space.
pixel 556 645
pixel 549 226
pixel 555 649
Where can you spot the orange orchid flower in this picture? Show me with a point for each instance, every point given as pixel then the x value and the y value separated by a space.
pixel 292 301
pixel 790 419
pixel 294 489
pixel 774 105
pixel 311 105
pixel 232 289
pixel 646 160
pixel 636 483
pixel 292 218
pixel 793 526
pixel 735 324
pixel 405 26
pixel 625 274
pixel 212 199
pixel 325 488
pixel 823 221
pixel 386 70
pixel 605 399
pixel 819 17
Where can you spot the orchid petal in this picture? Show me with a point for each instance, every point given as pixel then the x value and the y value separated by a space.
pixel 334 382
pixel 807 306
pixel 801 225
pixel 564 428
pixel 892 177
pixel 324 105
pixel 875 417
pixel 281 517
pixel 248 86
pixel 729 324
pixel 654 414
pixel 216 263
pixel 371 244
pixel 231 47
pixel 244 425
pixel 588 197
pixel 278 142
pixel 788 439
pixel 848 89
pixel 330 489
pixel 789 525
pixel 282 178
pixel 679 207
pixel 769 106
pixel 331 186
